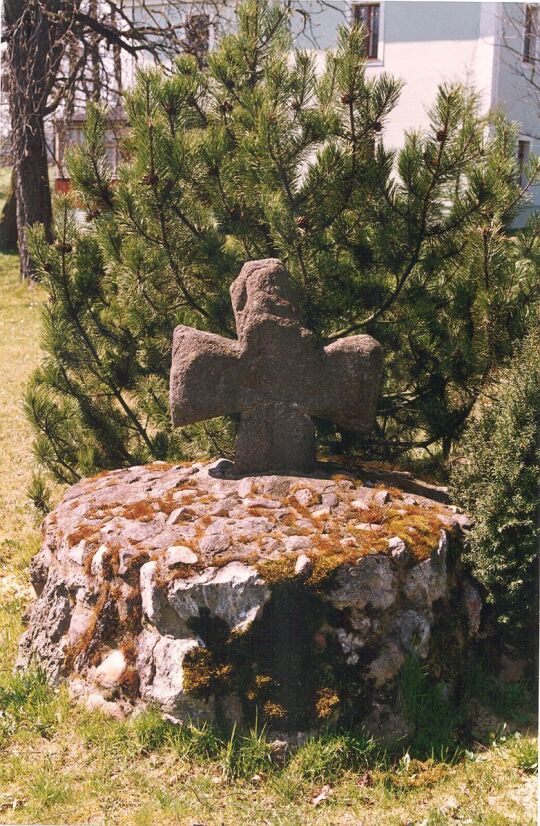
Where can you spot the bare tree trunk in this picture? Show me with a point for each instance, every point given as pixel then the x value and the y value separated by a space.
pixel 32 58
pixel 94 55
pixel 8 220
pixel 117 67
pixel 32 184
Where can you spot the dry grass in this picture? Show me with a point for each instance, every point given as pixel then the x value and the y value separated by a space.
pixel 19 536
pixel 62 765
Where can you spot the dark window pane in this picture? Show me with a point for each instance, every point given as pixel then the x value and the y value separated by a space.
pixel 530 33
pixel 368 15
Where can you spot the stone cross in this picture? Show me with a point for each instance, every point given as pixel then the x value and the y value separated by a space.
pixel 276 375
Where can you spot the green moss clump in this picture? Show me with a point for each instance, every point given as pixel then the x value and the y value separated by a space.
pixel 327 703
pixel 277 570
pixel 204 676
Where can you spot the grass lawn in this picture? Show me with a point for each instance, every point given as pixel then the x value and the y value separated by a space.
pixel 60 764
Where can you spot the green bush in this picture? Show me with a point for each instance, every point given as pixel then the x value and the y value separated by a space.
pixel 497 480
pixel 260 155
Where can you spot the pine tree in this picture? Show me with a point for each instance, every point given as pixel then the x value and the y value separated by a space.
pixel 497 478
pixel 260 155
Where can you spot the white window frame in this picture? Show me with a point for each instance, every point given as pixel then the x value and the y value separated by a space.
pixel 524 141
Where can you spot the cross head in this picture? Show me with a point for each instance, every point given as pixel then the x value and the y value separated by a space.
pixel 276 375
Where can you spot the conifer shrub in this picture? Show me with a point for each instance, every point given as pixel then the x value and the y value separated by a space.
pixel 497 480
pixel 256 155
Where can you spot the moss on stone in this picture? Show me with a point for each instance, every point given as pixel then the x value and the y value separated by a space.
pixel 204 676
pixel 327 703
pixel 277 570
pixel 419 528
pixel 274 711
pixel 287 664
pixel 277 667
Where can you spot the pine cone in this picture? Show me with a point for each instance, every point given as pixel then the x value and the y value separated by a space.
pixel 347 99
pixel 150 180
pixel 302 222
pixel 226 106
pixel 377 126
pixel 441 135
pixel 65 248
pixel 296 106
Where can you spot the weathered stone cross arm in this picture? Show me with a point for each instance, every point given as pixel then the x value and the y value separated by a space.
pixel 276 375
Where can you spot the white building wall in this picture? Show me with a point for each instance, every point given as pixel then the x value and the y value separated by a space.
pixel 429 42
pixel 426 44
pixel 514 95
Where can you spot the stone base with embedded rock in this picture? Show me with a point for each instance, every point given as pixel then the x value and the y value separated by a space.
pixel 294 598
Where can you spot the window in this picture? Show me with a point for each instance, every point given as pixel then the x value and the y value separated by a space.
pixel 368 15
pixel 530 33
pixel 522 160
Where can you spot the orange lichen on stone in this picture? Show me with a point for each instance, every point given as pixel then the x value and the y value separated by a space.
pixel 303 510
pixel 111 561
pixel 395 493
pixel 343 477
pixel 101 512
pixel 205 500
pixel 130 681
pixel 82 532
pixel 137 561
pixel 131 612
pixel 256 511
pixel 99 475
pixel 82 644
pixel 158 465
pixel 373 515
pixel 182 572
pixel 294 530
pixel 143 510
pixel 166 504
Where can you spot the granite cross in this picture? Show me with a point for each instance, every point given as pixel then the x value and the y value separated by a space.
pixel 276 375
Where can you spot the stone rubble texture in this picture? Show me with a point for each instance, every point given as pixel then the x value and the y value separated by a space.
pixel 126 594
pixel 276 375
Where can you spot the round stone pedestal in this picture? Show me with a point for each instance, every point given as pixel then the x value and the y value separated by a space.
pixel 293 598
